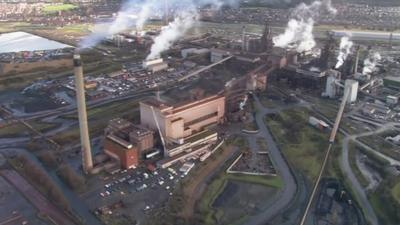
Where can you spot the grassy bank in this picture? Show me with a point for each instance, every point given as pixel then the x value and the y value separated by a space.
pixel 303 145
pixel 19 130
pixel 396 192
pixel 353 151
pixel 385 204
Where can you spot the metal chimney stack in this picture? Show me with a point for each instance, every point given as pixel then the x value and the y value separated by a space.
pixel 87 162
pixel 357 60
pixel 243 38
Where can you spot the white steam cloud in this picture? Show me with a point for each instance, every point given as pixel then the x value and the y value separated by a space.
pixel 370 62
pixel 344 51
pixel 135 14
pixel 298 33
pixel 169 34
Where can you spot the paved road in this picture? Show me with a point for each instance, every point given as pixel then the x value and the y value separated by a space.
pixel 288 192
pixel 346 168
pixel 361 196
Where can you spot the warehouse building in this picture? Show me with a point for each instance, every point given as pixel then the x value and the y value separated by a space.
pixel 127 143
pixel 392 82
pixel 181 121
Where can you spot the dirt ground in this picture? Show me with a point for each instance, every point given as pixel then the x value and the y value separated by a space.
pixel 240 199
pixel 193 191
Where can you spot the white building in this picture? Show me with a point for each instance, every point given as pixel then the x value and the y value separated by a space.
pixel 352 87
pixel 218 55
pixel 392 100
pixel 332 87
pixel 155 65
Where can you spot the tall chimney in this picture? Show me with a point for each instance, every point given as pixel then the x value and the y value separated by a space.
pixel 243 38
pixel 357 60
pixel 166 13
pixel 87 162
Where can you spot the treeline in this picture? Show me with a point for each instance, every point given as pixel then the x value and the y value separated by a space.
pixel 40 179
pixel 51 159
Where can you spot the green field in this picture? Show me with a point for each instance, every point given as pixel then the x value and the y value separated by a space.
pixel 81 29
pixel 57 8
pixel 12 26
pixel 353 150
pixel 396 192
pixel 385 206
pixel 303 145
pixel 19 130
pixel 14 130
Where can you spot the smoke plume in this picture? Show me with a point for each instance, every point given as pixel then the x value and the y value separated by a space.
pixel 169 34
pixel 370 63
pixel 298 33
pixel 344 51
pixel 135 14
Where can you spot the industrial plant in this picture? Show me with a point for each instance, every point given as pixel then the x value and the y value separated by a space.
pixel 200 112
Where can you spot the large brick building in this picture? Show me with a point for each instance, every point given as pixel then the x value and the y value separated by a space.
pixel 127 142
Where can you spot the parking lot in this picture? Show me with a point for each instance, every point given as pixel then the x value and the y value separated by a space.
pixel 140 190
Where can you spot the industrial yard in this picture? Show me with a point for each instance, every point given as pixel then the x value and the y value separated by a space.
pixel 247 113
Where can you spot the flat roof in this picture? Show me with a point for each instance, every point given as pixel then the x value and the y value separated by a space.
pixel 156 103
pixel 392 78
pixel 22 41
pixel 185 106
pixel 366 34
pixel 179 107
pixel 200 135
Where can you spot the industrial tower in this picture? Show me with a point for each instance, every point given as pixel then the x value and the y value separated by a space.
pixel 87 162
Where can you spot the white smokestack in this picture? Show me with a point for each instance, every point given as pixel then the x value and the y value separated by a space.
pixel 169 34
pixel 144 14
pixel 370 63
pixel 298 33
pixel 344 51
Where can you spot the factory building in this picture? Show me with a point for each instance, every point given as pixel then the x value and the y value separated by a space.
pixel 392 82
pixel 155 65
pixel 194 51
pixel 121 150
pixel 352 87
pixel 178 122
pixel 218 55
pixel 332 88
pixel 392 100
pixel 126 142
